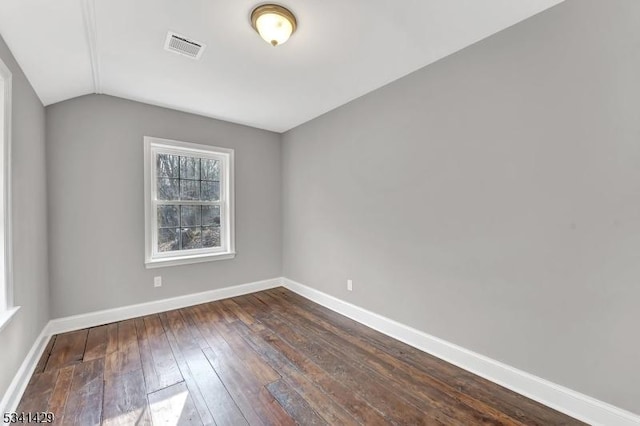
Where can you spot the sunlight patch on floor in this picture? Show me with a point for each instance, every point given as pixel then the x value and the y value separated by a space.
pixel 168 411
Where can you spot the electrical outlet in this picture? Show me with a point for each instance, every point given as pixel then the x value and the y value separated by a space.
pixel 157 281
pixel 350 285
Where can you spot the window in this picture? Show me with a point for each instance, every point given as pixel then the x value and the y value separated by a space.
pixel 7 309
pixel 189 203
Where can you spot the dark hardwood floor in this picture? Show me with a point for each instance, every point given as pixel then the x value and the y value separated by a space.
pixel 268 358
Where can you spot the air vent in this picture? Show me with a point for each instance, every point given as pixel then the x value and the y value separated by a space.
pixel 180 44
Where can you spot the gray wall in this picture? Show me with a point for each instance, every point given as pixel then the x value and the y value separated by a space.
pixel 30 283
pixel 491 199
pixel 96 204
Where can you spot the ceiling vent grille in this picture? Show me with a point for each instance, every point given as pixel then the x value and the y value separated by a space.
pixel 180 44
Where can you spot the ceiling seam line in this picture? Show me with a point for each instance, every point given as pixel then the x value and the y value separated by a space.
pixel 89 18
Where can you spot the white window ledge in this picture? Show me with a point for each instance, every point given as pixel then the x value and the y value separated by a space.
pixel 185 260
pixel 5 317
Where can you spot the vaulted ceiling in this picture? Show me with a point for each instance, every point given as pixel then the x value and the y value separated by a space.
pixel 342 49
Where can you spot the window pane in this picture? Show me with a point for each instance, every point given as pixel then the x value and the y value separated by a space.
pixel 190 216
pixel 189 190
pixel 210 215
pixel 190 238
pixel 168 189
pixel 210 236
pixel 210 169
pixel 168 217
pixel 191 201
pixel 167 165
pixel 189 168
pixel 168 239
pixel 210 191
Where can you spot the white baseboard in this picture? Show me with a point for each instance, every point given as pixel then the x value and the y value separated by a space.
pixel 92 319
pixel 565 400
pixel 572 403
pixel 21 379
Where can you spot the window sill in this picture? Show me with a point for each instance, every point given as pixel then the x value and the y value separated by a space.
pixel 185 260
pixel 5 317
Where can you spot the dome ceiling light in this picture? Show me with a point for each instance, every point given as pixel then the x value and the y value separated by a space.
pixel 274 23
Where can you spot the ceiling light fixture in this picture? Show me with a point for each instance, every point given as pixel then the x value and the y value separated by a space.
pixel 274 23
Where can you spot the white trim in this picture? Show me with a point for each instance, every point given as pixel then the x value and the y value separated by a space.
pixel 558 397
pixel 7 315
pixel 92 319
pixel 6 251
pixel 176 261
pixel 20 381
pixel 91 34
pixel 226 203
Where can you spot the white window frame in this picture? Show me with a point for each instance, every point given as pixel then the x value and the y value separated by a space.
pixel 7 307
pixel 153 258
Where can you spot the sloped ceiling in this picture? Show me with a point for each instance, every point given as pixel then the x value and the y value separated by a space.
pixel 341 50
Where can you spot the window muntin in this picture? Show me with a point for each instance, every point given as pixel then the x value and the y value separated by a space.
pixel 190 200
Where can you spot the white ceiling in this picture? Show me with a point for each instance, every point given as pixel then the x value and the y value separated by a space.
pixel 342 50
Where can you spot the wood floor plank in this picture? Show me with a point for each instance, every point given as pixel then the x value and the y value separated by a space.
pixel 269 358
pixel 297 407
pixel 112 338
pixel 96 346
pixel 237 312
pixel 158 363
pixel 242 391
pixel 273 407
pixel 127 356
pixel 125 400
pixel 84 403
pixel 244 302
pixel 218 400
pixel 194 331
pixel 174 406
pixel 153 325
pixel 192 385
pixel 60 394
pixel 220 337
pixel 68 349
pixel 127 335
pixel 225 313
pixel 146 358
pixel 38 392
